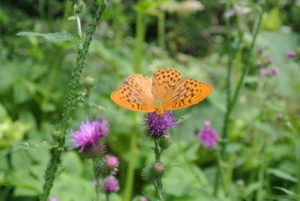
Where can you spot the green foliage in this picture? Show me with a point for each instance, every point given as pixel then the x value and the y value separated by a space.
pixel 261 160
pixel 51 37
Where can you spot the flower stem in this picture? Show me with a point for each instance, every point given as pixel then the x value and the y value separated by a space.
pixel 131 169
pixel 157 150
pixel 158 182
pixel 79 30
pixel 131 163
pixel 231 102
pixel 107 197
pixel 219 172
pixel 139 42
pixel 98 176
pixel 71 103
pixel 140 37
pixel 161 31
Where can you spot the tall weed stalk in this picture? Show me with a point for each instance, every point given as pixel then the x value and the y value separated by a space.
pixel 72 101
pixel 232 99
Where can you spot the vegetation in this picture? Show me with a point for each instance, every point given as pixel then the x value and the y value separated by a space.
pixel 61 61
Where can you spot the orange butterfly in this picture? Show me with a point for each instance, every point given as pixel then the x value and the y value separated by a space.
pixel 164 91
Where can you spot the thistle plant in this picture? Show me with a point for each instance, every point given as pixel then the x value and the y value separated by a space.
pixel 157 129
pixel 88 140
pixel 72 101
pixel 232 98
pixel 208 136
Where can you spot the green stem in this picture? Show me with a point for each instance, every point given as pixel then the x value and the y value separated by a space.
pixel 79 30
pixel 261 174
pixel 247 61
pixel 70 104
pixel 130 171
pixel 219 173
pixel 158 182
pixel 97 173
pixel 231 102
pixel 140 37
pixel 131 163
pixel 139 41
pixel 157 150
pixel 161 31
pixel 107 196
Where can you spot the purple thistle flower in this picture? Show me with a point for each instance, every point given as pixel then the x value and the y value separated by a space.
pixel 143 198
pixel 158 125
pixel 270 60
pixel 159 166
pixel 291 54
pixel 89 134
pixel 112 162
pixel 111 185
pixel 264 72
pixel 52 199
pixel 259 62
pixel 208 136
pixel 275 71
pixel 260 51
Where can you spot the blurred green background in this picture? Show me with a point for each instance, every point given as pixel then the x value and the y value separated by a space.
pixel 193 37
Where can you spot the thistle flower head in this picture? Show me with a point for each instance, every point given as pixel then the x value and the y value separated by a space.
pixel 264 72
pixel 52 199
pixel 112 162
pixel 143 198
pixel 208 136
pixel 111 185
pixel 275 71
pixel 291 54
pixel 158 125
pixel 89 134
pixel 159 166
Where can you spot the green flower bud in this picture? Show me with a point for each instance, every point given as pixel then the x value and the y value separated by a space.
pixel 164 142
pixel 79 7
pixel 89 82
pixel 158 169
pixel 147 173
pixel 153 171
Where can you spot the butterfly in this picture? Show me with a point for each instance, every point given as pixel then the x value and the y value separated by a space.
pixel 166 90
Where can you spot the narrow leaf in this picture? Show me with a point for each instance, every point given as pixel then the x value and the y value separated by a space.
pixel 51 37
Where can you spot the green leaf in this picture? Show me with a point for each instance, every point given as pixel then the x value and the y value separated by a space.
pixel 72 163
pixel 283 175
pixel 288 192
pixel 56 37
pixel 251 188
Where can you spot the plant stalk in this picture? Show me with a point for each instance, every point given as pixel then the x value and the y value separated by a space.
pixel 161 31
pixel 70 104
pixel 158 182
pixel 140 38
pixel 139 42
pixel 231 102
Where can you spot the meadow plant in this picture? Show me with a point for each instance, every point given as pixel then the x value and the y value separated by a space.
pixel 291 54
pixel 232 96
pixel 157 129
pixel 143 198
pixel 111 185
pixel 208 136
pixel 88 140
pixel 53 199
pixel 73 98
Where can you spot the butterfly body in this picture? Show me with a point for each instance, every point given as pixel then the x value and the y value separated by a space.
pixel 166 90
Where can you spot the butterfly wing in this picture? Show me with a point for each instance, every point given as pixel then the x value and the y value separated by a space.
pixel 164 83
pixel 135 94
pixel 187 92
